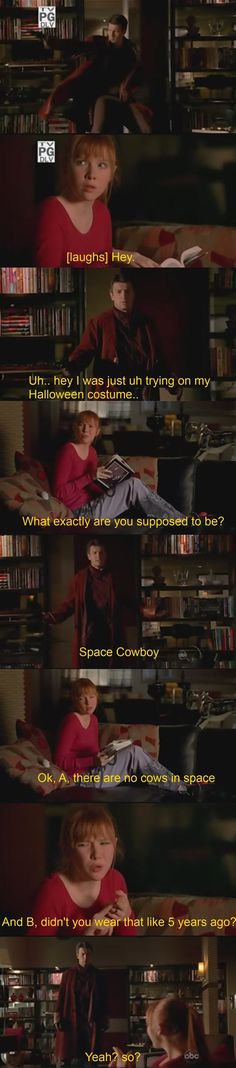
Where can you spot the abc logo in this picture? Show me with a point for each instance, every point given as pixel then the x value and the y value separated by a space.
pixel 191 1056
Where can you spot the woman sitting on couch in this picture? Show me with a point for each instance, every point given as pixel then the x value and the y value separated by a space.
pixel 78 748
pixel 77 471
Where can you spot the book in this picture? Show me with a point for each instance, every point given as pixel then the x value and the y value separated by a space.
pixel 115 746
pixel 119 470
pixel 187 257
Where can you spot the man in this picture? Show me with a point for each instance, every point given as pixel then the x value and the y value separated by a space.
pixel 91 599
pixel 101 87
pixel 78 1009
pixel 121 340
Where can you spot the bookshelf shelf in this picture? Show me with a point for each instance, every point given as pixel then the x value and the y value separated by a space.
pixel 42 306
pixel 202 61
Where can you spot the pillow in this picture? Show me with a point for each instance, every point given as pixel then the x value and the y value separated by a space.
pixel 33 734
pixel 23 493
pixel 34 468
pixel 24 762
pixel 145 467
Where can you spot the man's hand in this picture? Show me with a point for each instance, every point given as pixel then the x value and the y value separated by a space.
pixel 123 93
pixel 46 108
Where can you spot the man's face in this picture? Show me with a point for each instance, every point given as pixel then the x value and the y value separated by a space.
pixel 115 35
pixel 97 557
pixel 82 956
pixel 122 296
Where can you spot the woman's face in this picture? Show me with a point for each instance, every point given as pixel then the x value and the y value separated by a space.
pixel 95 854
pixel 92 177
pixel 86 702
pixel 86 431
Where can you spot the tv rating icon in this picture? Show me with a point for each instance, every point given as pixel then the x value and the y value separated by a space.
pixel 47 18
pixel 46 151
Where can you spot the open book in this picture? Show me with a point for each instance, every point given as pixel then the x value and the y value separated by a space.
pixel 115 746
pixel 119 470
pixel 187 257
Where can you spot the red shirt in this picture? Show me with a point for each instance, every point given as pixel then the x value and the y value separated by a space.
pixel 74 478
pixel 77 746
pixel 53 900
pixel 56 235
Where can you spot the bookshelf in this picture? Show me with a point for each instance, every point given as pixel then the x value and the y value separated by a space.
pixel 28 1001
pixel 23 598
pixel 202 66
pixel 222 324
pixel 29 71
pixel 188 598
pixel 41 317
pixel 153 983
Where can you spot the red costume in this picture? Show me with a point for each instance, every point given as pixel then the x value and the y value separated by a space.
pixel 102 340
pixel 74 478
pixel 77 746
pixel 53 900
pixel 79 1012
pixel 56 235
pixel 79 602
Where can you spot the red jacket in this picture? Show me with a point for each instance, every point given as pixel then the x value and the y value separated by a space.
pixel 99 340
pixel 75 603
pixel 67 1037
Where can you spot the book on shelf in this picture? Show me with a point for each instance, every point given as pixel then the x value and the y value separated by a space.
pixel 30 322
pixel 223 279
pixel 18 29
pixel 187 544
pixel 20 280
pixel 223 360
pixel 21 578
pixel 20 545
pixel 30 123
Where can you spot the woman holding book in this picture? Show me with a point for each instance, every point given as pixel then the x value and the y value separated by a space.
pixel 87 893
pixel 77 750
pixel 77 474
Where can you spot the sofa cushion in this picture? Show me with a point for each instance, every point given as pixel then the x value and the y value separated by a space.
pixel 144 467
pixel 169 240
pixel 23 493
pixel 23 761
pixel 34 734
pixel 34 468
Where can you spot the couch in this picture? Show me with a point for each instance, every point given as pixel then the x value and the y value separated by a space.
pixel 30 756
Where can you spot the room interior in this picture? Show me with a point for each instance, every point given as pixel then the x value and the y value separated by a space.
pixel 202 970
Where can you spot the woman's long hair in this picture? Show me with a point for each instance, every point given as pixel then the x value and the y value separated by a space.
pixel 179 1019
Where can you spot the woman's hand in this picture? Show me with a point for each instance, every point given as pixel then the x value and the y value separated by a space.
pixel 104 929
pixel 102 472
pixel 121 907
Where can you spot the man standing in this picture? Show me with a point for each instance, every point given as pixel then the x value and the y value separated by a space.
pixel 91 599
pixel 121 341
pixel 103 83
pixel 78 1009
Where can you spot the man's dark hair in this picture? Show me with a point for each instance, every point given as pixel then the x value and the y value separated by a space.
pixel 94 541
pixel 83 945
pixel 119 20
pixel 122 276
